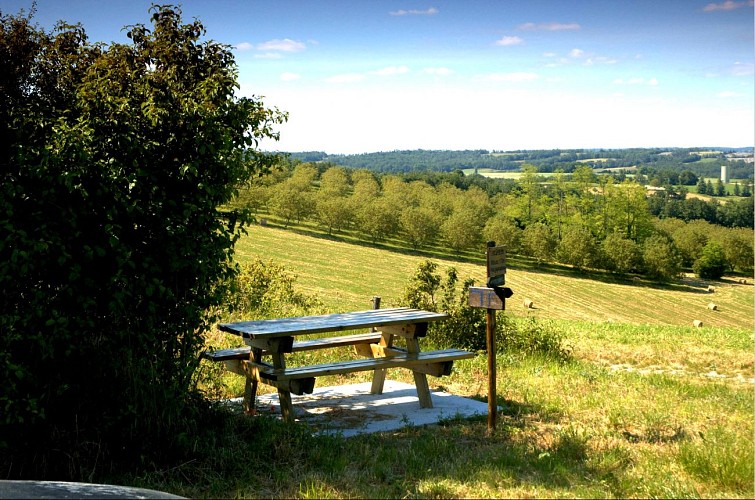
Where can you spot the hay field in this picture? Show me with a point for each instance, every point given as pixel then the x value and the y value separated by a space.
pixel 345 277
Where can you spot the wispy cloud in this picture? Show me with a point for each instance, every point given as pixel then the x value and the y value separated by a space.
pixel 346 78
pixel 576 53
pixel 637 81
pixel 243 46
pixel 742 69
pixel 600 60
pixel 550 26
pixel 509 40
pixel 289 77
pixel 391 70
pixel 438 71
pixel 510 77
pixel 415 12
pixel 727 94
pixel 727 5
pixel 282 45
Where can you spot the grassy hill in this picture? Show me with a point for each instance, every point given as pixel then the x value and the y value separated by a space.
pixel 648 406
pixel 345 276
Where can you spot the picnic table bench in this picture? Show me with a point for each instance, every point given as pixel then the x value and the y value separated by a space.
pixel 277 337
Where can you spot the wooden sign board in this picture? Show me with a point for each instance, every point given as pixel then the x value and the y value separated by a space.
pixel 496 258
pixel 486 298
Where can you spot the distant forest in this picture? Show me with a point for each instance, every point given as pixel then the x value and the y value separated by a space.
pixel 703 162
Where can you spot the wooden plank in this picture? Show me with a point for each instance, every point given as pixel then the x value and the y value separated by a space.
pixel 412 330
pixel 496 264
pixel 270 345
pixel 264 371
pixel 340 341
pixel 296 386
pixel 240 353
pixel 420 379
pixel 331 322
pixel 486 298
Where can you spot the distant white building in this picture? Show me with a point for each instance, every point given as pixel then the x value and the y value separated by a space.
pixel 724 174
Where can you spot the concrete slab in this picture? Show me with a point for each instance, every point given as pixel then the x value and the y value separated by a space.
pixel 349 410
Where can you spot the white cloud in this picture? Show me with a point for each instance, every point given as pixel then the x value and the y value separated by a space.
pixel 727 5
pixel 742 69
pixel 600 60
pixel 576 53
pixel 510 77
pixel 549 54
pixel 509 40
pixel 391 70
pixel 282 45
pixel 289 77
pixel 243 46
pixel 727 94
pixel 550 26
pixel 415 12
pixel 346 78
pixel 637 81
pixel 438 71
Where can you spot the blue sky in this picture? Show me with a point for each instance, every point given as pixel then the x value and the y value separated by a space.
pixel 363 76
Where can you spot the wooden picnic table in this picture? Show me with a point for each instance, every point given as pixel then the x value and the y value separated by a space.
pixel 277 338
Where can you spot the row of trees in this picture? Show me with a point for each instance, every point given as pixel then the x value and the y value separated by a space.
pixel 664 164
pixel 578 219
pixel 707 187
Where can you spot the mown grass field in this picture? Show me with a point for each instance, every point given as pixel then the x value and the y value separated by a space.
pixel 346 276
pixel 648 406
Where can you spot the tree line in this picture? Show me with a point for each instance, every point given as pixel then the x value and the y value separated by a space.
pixel 646 160
pixel 578 219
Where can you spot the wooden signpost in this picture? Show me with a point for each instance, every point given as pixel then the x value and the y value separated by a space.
pixel 492 298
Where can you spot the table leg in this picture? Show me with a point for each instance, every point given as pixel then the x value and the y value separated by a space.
pixel 378 376
pixel 284 396
pixel 420 379
pixel 250 387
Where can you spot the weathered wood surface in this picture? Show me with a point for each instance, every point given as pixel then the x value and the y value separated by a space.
pixel 301 345
pixel 408 360
pixel 329 323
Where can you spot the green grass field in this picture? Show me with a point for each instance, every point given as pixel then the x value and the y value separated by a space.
pixel 648 407
pixel 346 276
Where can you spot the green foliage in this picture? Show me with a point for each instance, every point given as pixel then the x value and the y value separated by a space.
pixel 577 248
pixel 660 258
pixel 114 163
pixel 465 327
pixel 620 254
pixel 712 264
pixel 264 289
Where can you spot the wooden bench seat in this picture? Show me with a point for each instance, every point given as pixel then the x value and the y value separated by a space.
pixel 241 353
pixel 435 363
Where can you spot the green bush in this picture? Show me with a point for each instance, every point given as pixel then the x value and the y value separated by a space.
pixel 712 264
pixel 263 289
pixel 465 327
pixel 115 161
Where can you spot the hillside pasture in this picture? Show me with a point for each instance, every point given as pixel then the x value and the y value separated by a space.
pixel 345 276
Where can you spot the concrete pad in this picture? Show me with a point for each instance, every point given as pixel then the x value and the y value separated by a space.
pixel 349 410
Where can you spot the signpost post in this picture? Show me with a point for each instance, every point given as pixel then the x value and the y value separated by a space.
pixel 492 298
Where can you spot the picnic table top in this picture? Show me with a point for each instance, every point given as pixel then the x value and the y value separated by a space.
pixel 301 325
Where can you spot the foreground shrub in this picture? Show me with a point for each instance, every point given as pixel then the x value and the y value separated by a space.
pixel 113 164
